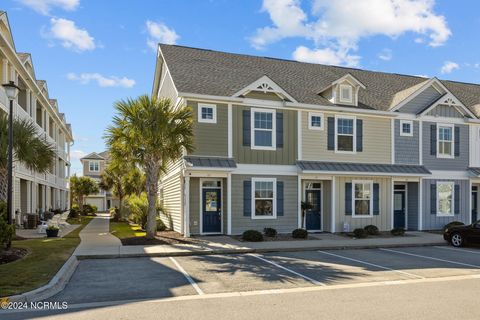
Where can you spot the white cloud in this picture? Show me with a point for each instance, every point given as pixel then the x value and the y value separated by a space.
pixel 159 32
pixel 70 35
pixel 325 56
pixel 77 154
pixel 44 6
pixel 386 54
pixel 101 80
pixel 449 67
pixel 339 25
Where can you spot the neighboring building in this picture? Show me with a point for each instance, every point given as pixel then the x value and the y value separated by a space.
pixel 33 191
pixel 93 166
pixel 363 147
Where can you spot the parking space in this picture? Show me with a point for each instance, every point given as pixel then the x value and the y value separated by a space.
pixel 146 278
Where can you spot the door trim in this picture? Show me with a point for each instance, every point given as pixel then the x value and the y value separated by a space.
pixel 201 204
pixel 304 187
pixel 405 195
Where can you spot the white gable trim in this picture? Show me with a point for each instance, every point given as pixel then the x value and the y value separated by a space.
pixel 450 100
pixel 265 84
pixel 349 78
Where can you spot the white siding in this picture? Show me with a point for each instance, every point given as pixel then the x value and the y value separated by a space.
pixel 172 187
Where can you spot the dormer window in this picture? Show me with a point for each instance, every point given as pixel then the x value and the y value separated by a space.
pixel 346 93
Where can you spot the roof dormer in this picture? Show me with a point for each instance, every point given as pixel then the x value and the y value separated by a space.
pixel 343 91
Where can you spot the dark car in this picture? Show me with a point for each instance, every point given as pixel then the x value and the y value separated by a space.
pixel 461 235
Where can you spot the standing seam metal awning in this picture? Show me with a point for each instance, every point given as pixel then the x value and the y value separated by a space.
pixel 362 167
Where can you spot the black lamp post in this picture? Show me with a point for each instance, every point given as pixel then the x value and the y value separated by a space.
pixel 12 91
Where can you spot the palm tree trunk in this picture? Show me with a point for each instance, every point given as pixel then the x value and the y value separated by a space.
pixel 3 184
pixel 152 172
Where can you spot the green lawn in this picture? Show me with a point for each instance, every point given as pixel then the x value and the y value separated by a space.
pixel 124 230
pixel 45 258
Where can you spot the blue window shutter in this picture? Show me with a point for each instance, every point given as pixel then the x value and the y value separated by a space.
pixel 348 199
pixel 246 128
pixel 279 198
pixel 376 199
pixel 457 141
pixel 433 140
pixel 433 198
pixel 331 133
pixel 247 198
pixel 359 135
pixel 279 130
pixel 456 197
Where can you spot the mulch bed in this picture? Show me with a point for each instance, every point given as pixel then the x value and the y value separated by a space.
pixel 163 237
pixel 12 255
pixel 279 237
pixel 382 235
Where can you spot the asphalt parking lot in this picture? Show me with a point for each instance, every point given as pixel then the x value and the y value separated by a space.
pixel 151 278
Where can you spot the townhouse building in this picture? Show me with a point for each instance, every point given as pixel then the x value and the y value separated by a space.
pixel 93 166
pixel 361 147
pixel 35 192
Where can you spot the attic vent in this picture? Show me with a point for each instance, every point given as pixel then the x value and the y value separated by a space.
pixel 449 101
pixel 265 87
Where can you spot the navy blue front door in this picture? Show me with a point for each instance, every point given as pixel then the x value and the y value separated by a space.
pixel 474 206
pixel 211 211
pixel 399 216
pixel 313 216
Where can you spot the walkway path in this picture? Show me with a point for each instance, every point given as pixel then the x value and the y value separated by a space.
pixel 96 238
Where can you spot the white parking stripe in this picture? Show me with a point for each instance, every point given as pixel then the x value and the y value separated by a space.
pixel 185 273
pixel 373 265
pixel 315 282
pixel 431 258
pixel 458 249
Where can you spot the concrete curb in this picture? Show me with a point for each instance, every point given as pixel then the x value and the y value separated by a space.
pixel 249 250
pixel 54 286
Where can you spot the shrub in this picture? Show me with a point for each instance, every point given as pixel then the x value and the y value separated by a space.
pixel 76 207
pixel 73 213
pixel 360 233
pixel 53 227
pixel 138 209
pixel 270 232
pixel 300 234
pixel 371 230
pixel 252 236
pixel 160 225
pixel 453 224
pixel 89 209
pixel 397 231
pixel 6 231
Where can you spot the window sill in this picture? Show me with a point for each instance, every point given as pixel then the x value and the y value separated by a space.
pixel 441 215
pixel 360 217
pixel 263 217
pixel 445 156
pixel 345 152
pixel 263 148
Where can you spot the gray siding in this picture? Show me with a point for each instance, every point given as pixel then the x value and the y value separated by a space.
pixel 420 102
pixel 458 163
pixel 412 205
pixel 406 147
pixel 211 139
pixel 445 111
pixel 431 221
pixel 285 155
pixel 284 224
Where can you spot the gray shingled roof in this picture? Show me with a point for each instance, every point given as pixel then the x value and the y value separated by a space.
pixel 210 162
pixel 210 72
pixel 357 167
pixel 93 156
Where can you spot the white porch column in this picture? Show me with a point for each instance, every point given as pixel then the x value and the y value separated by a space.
pixel 28 104
pixel 299 201
pixel 186 207
pixel 420 205
pixel 334 191
pixel 229 204
pixel 29 196
pixel 470 202
pixel 5 71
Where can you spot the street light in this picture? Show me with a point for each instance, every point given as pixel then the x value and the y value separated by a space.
pixel 12 91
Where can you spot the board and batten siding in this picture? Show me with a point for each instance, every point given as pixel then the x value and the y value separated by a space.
pixel 421 101
pixel 430 220
pixel 284 224
pixel 376 142
pixel 474 146
pixel 196 204
pixel 412 205
pixel 406 147
pixel 458 163
pixel 445 112
pixel 210 139
pixel 172 187
pixel 284 155
pixel 383 221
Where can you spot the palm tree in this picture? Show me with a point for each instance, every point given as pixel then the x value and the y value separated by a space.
pixel 150 133
pixel 29 148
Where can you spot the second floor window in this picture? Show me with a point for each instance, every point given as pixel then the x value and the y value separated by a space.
pixel 263 129
pixel 345 137
pixel 346 93
pixel 445 141
pixel 315 121
pixel 94 166
pixel 207 113
pixel 406 128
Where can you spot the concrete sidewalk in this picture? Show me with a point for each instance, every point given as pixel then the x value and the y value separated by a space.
pixel 97 239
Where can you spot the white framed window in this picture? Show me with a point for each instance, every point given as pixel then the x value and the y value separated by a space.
pixel 362 198
pixel 94 166
pixel 315 121
pixel 263 133
pixel 264 198
pixel 445 140
pixel 406 128
pixel 445 198
pixel 346 93
pixel 207 113
pixel 345 137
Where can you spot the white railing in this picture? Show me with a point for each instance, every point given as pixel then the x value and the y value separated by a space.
pixel 51 178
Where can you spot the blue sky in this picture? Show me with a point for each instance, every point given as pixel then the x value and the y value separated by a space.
pixel 93 53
